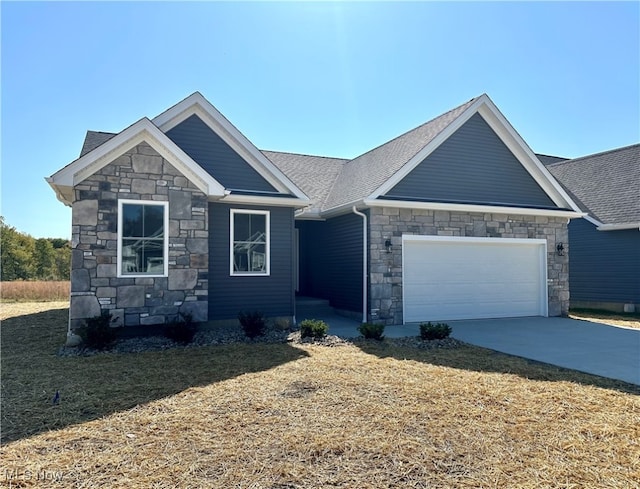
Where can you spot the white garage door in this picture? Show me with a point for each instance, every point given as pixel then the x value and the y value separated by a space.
pixel 447 278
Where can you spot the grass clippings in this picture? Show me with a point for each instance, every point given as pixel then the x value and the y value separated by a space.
pixel 371 415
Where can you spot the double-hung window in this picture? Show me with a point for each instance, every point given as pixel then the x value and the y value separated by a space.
pixel 142 238
pixel 249 242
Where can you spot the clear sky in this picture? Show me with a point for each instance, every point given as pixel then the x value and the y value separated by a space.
pixel 333 79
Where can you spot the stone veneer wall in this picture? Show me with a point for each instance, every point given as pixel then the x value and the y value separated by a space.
pixel 140 174
pixel 386 269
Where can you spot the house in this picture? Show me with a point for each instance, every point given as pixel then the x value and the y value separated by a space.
pixel 605 246
pixel 454 219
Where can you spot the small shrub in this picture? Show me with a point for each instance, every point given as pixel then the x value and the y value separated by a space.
pixel 437 331
pixel 182 330
pixel 98 333
pixel 313 328
pixel 283 324
pixel 253 323
pixel 372 331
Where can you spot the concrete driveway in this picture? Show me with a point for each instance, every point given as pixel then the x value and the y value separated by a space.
pixel 595 348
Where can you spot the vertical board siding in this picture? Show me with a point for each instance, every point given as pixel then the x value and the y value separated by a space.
pixel 472 165
pixel 331 260
pixel 603 265
pixel 208 149
pixel 272 295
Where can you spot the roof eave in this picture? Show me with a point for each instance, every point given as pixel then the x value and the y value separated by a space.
pixel 478 208
pixel 619 227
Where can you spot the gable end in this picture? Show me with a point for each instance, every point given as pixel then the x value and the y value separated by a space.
pixel 472 166
pixel 217 158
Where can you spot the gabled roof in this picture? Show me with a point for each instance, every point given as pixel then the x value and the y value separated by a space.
pixel 144 130
pixel 363 175
pixel 607 184
pixel 196 104
pixel 335 185
pixel 100 148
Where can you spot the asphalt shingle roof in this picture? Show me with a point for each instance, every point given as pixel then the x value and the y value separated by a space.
pixel 93 139
pixel 331 182
pixel 607 184
pixel 314 175
pixel 363 175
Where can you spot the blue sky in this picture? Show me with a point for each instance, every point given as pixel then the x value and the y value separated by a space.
pixel 334 79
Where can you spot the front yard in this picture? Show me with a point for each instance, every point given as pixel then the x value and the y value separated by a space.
pixel 303 416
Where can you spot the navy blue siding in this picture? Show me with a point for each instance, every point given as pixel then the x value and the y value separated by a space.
pixel 273 294
pixel 603 265
pixel 331 260
pixel 472 166
pixel 207 149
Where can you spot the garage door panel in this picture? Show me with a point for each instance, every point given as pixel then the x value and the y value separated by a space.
pixel 474 278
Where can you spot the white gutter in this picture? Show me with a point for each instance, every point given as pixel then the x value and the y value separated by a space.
pixel 619 227
pixel 441 206
pixel 364 261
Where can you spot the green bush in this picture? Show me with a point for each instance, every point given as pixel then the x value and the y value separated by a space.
pixel 253 323
pixel 372 331
pixel 98 333
pixel 182 330
pixel 437 331
pixel 313 328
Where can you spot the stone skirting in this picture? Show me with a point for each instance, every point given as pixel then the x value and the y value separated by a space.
pixel 385 304
pixel 139 174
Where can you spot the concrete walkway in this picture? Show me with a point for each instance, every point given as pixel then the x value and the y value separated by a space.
pixel 595 348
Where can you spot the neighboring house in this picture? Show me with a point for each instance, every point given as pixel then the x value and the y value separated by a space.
pixel 454 219
pixel 605 246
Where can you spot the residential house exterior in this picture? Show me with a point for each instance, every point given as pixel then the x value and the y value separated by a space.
pixel 605 245
pixel 454 219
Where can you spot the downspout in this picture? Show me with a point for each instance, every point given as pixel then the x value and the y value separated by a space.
pixel 364 262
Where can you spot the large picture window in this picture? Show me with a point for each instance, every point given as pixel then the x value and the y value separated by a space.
pixel 142 238
pixel 249 242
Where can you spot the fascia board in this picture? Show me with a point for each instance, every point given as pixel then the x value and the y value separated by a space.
pixel 196 104
pixel 441 206
pixel 619 227
pixel 264 200
pixel 593 220
pixel 510 137
pixel 427 150
pixel 142 131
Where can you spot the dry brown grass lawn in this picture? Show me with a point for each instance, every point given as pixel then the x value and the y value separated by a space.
pixel 293 416
pixel 626 320
pixel 34 291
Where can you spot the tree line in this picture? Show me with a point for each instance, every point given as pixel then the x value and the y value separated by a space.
pixel 24 257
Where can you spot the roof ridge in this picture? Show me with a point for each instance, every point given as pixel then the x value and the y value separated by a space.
pixel 102 132
pixel 601 153
pixel 304 154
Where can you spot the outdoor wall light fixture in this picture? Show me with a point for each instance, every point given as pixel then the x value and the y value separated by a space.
pixel 560 249
pixel 387 245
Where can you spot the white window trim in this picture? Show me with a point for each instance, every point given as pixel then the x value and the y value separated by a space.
pixel 164 204
pixel 267 271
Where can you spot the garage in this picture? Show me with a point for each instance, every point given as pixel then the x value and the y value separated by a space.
pixel 450 277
